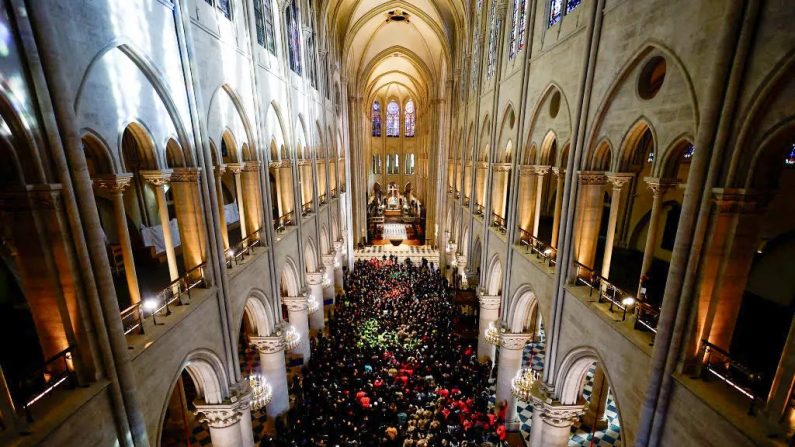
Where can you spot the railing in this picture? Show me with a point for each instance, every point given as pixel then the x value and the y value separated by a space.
pixel 322 199
pixel 306 208
pixel 334 193
pixel 736 375
pixel 534 245
pixel 132 318
pixel 498 222
pixel 243 248
pixel 283 221
pixel 609 292
pixel 56 372
pixel 478 209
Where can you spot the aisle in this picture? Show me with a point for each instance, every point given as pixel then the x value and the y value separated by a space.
pixel 392 371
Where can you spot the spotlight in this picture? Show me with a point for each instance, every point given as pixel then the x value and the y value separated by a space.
pixel 628 301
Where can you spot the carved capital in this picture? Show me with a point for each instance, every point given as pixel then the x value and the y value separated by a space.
pixel 739 201
pixel 219 170
pixel 112 183
pixel 157 177
pixel 251 166
pixel 268 345
pixel 219 416
pixel 314 279
pixel 502 167
pixel 619 179
pixel 526 170
pixel 462 261
pixel 558 415
pixel 235 168
pixel 186 175
pixel 337 245
pixel 489 302
pixel 541 170
pixel 513 341
pixel 295 303
pixel 592 178
pixel 559 171
pixel 328 260
pixel 659 186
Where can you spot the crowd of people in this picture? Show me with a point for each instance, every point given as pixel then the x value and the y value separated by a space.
pixel 392 371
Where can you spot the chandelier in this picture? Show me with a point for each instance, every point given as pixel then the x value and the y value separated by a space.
pixel 261 392
pixel 291 338
pixel 493 333
pixel 523 385
pixel 312 304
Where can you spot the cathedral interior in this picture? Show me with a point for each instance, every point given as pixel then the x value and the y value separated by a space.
pixel 453 223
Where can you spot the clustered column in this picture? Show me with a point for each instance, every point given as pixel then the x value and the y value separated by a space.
pixel 511 347
pixel 315 283
pixel 298 315
pixel 489 313
pixel 552 422
pixel 560 178
pixel 226 421
pixel 274 369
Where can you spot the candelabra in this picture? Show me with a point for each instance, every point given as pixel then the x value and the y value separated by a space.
pixel 493 333
pixel 261 392
pixel 523 385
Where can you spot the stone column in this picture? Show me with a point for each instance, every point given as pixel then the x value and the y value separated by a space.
pixel 158 180
pixel 187 206
pixel 594 417
pixel 225 421
pixel 489 313
pixel 526 198
pixel 297 311
pixel 618 180
pixel 315 282
pixel 589 216
pixel 510 362
pixel 541 172
pixel 328 270
pixel 560 178
pixel 552 422
pixel 115 185
pixel 250 181
pixel 274 369
pixel 338 278
pixel 658 189
pixel 236 169
pixel 219 174
pixel 462 264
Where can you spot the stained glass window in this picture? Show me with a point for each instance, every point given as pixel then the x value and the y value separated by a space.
pixel 555 11
pixel 409 164
pixel 517 31
pixel 292 20
pixel 376 118
pixel 263 20
pixel 411 118
pixel 571 4
pixel 311 59
pixel 689 151
pixel 392 119
pixel 790 160
pixel 226 8
pixel 492 56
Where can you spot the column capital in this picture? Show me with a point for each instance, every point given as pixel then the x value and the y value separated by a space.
pixel 514 341
pixel 502 167
pixel 220 415
pixel 541 170
pixel 314 278
pixel 295 303
pixel 592 178
pixel 489 302
pixel 556 414
pixel 113 183
pixel 337 245
pixel 235 168
pixel 186 175
pixel 659 186
pixel 461 260
pixel 526 170
pixel 268 345
pixel 739 201
pixel 559 171
pixel 157 177
pixel 251 166
pixel 619 179
pixel 219 170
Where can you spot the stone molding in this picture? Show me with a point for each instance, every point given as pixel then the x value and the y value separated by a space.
pixel 314 278
pixel 33 197
pixel 489 302
pixel 559 171
pixel 619 179
pixel 558 415
pixel 251 166
pixel 328 260
pixel 113 183
pixel 280 164
pixel 526 170
pixel 295 303
pixel 220 415
pixel 659 186
pixel 541 170
pixel 157 177
pixel 513 341
pixel 268 345
pixel 219 170
pixel 235 168
pixel 739 200
pixel 502 167
pixel 592 178
pixel 186 175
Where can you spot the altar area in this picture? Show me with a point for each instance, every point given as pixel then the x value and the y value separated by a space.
pixel 413 252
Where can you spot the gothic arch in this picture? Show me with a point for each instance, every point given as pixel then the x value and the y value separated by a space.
pixel 325 243
pixel 259 313
pixel 310 255
pixel 230 123
pixel 290 280
pixel 494 277
pixel 523 304
pixel 98 156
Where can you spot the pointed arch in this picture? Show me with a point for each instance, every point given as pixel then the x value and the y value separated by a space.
pixel 290 280
pixel 494 277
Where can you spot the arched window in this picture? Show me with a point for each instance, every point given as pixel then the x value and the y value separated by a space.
pixel 492 56
pixel 376 118
pixel 263 20
pixel 517 30
pixel 411 118
pixel 292 20
pixel 409 164
pixel 392 119
pixel 789 160
pixel 557 9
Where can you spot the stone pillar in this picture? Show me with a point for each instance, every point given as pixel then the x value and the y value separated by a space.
pixel 552 422
pixel 274 369
pixel 540 172
pixel 526 198
pixel 589 216
pixel 158 180
pixel 338 278
pixel 489 313
pixel 328 270
pixel 511 347
pixel 219 189
pixel 618 180
pixel 297 313
pixel 236 169
pixel 462 264
pixel 315 282
pixel 225 422
pixel 187 206
pixel 115 185
pixel 658 189
pixel 250 180
pixel 560 178
pixel 594 417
